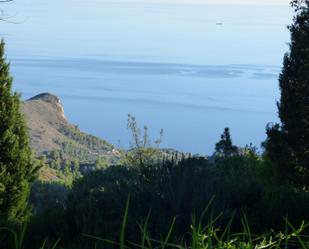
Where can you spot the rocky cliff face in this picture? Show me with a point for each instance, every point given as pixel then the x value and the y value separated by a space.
pixel 52 99
pixel 49 130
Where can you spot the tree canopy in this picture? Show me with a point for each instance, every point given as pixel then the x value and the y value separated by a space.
pixel 17 166
pixel 225 146
pixel 288 143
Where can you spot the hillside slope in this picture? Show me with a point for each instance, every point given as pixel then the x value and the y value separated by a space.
pixel 49 130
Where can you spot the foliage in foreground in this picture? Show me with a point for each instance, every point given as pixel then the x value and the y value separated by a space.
pixel 241 184
pixel 17 166
pixel 288 143
pixel 208 236
pixel 211 237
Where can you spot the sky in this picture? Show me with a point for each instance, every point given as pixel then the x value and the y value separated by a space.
pixel 247 2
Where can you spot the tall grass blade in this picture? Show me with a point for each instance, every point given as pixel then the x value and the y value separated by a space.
pixel 168 234
pixel 296 233
pixel 124 223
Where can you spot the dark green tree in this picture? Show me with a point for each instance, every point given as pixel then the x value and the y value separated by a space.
pixel 17 166
pixel 225 146
pixel 287 144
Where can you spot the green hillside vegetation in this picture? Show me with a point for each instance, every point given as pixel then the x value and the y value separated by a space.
pixel 149 198
pixel 66 151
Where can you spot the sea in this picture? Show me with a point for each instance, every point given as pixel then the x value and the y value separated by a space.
pixel 189 68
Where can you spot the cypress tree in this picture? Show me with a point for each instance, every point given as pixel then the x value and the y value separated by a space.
pixel 17 166
pixel 225 146
pixel 287 144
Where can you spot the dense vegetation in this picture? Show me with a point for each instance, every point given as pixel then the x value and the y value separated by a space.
pixel 288 142
pixel 234 185
pixel 17 166
pixel 155 200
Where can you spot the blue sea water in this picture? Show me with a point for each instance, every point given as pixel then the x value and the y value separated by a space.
pixel 191 69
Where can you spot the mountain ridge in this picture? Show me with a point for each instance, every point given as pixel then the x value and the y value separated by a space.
pixel 49 130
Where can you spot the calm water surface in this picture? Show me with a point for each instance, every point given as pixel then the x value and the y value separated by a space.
pixel 190 69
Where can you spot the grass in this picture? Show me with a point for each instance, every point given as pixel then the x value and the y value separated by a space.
pixel 202 237
pixel 212 237
pixel 18 239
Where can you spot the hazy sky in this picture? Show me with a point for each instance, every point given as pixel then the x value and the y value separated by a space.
pixel 254 2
